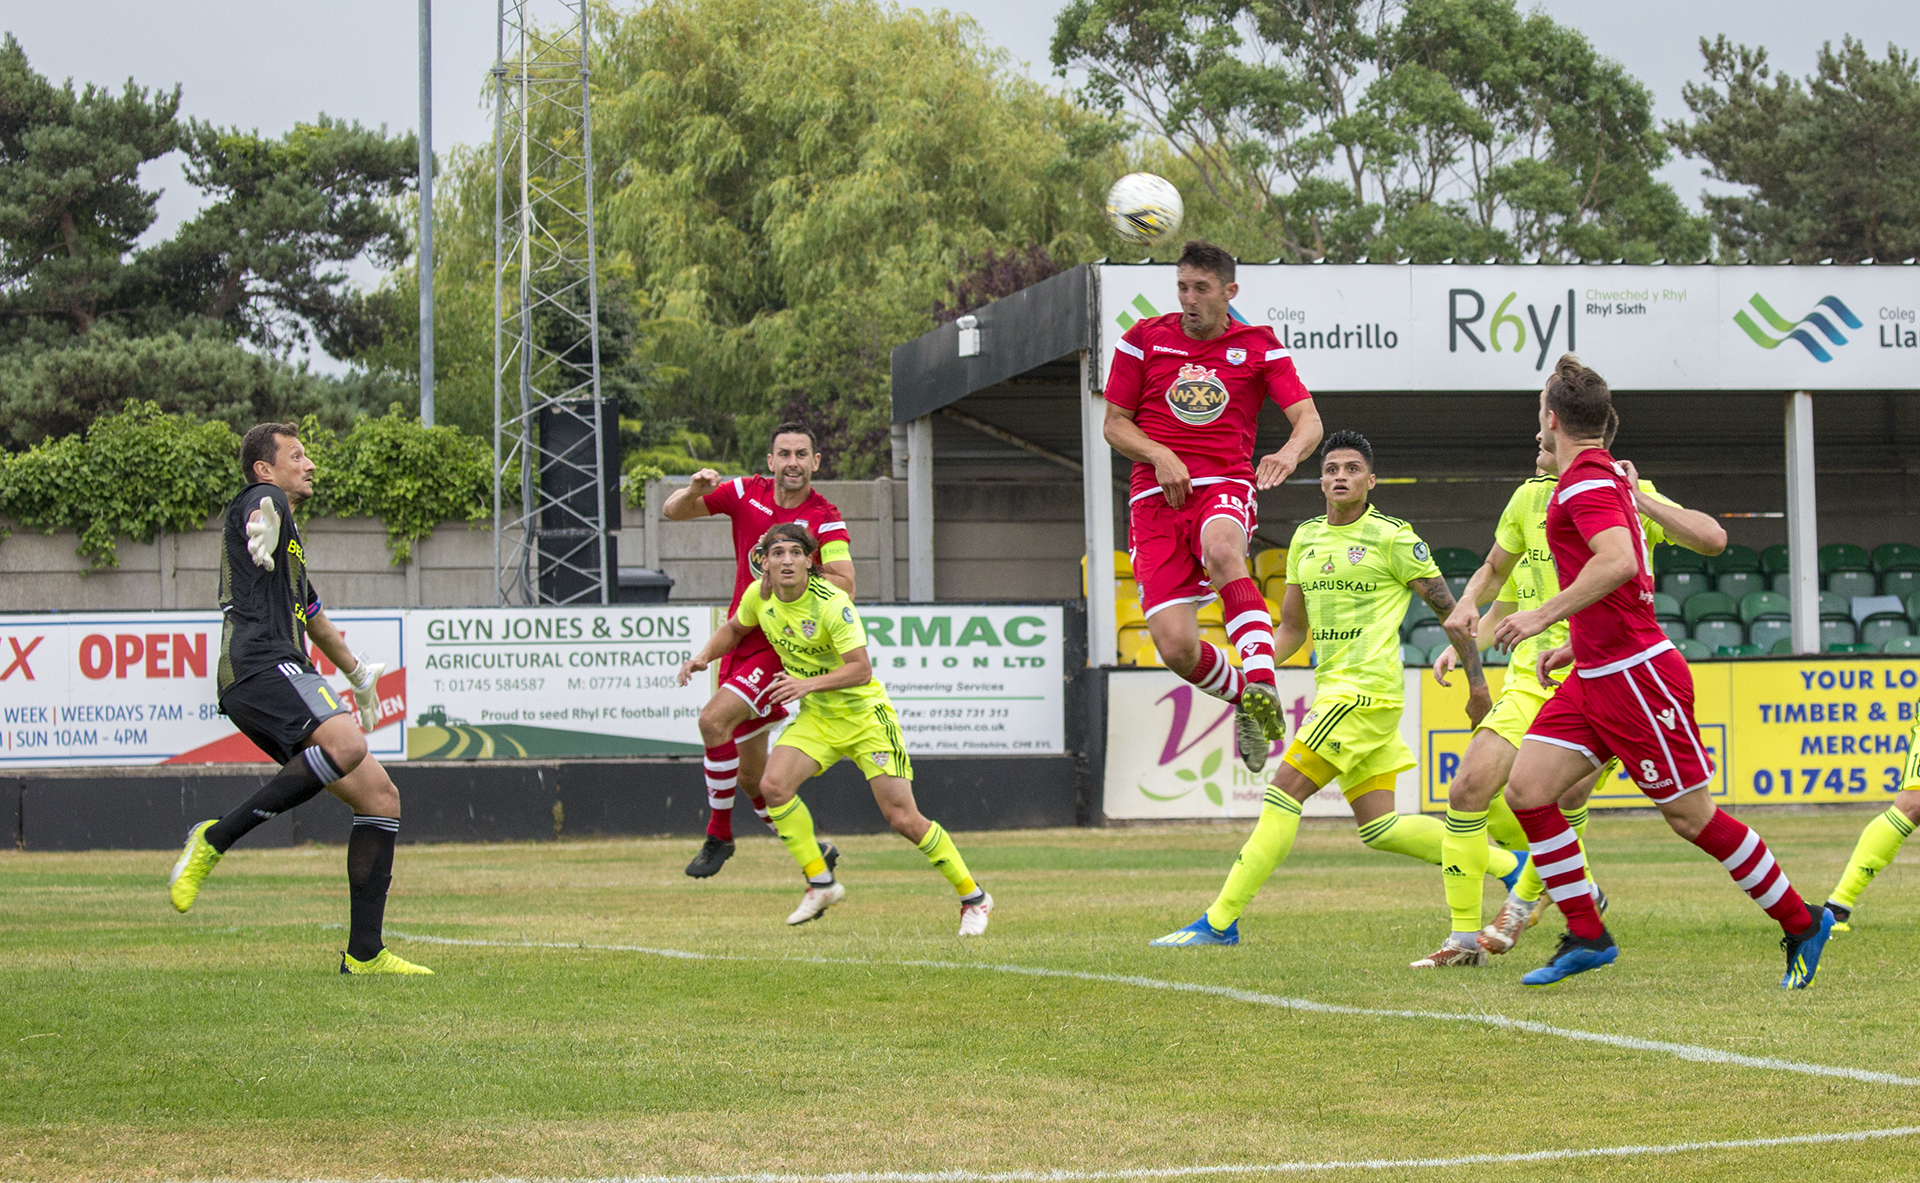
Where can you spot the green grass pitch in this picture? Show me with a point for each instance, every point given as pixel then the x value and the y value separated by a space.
pixel 136 1044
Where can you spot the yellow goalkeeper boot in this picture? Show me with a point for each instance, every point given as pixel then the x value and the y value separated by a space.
pixel 386 961
pixel 191 871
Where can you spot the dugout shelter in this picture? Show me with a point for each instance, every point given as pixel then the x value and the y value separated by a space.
pixel 1778 398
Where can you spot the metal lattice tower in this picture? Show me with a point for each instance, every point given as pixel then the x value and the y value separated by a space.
pixel 552 503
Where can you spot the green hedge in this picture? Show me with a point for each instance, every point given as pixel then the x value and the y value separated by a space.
pixel 144 472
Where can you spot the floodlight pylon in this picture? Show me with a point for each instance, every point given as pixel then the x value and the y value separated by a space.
pixel 552 500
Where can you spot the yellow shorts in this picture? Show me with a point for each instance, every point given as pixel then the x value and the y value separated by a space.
pixel 1353 739
pixel 873 742
pixel 1520 700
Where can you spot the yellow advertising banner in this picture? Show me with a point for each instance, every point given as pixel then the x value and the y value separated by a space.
pixel 1778 731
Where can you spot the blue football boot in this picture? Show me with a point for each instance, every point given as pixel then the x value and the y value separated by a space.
pixel 1200 933
pixel 1575 955
pixel 1513 877
pixel 1803 951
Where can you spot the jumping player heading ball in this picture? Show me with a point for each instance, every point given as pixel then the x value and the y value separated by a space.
pixel 1183 402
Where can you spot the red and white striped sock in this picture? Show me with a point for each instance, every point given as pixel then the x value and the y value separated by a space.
pixel 1562 866
pixel 1747 859
pixel 1249 627
pixel 760 810
pixel 1214 674
pixel 722 766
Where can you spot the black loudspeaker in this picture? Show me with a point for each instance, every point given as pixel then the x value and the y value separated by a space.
pixel 569 550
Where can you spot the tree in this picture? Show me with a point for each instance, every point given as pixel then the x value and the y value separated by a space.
pixel 90 319
pixel 793 183
pixel 71 205
pixel 1337 129
pixel 1832 167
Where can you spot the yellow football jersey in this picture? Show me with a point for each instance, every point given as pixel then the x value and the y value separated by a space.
pixel 810 634
pixel 1523 531
pixel 1354 578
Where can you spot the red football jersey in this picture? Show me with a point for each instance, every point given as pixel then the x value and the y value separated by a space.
pixel 748 502
pixel 1593 496
pixel 1200 398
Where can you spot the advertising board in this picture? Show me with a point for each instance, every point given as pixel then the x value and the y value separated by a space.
pixel 130 688
pixel 1400 327
pixel 972 679
pixel 1170 751
pixel 1778 731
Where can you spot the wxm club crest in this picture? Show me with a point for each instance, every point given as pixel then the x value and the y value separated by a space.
pixel 1197 397
pixel 1356 553
pixel 808 628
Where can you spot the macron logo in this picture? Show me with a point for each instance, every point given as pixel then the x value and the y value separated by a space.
pixel 1171 349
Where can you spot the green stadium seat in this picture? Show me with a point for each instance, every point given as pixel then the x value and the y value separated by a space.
pixel 1693 650
pixel 1782 648
pixel 1907 644
pixel 1683 584
pixel 1853 583
pixel 1767 630
pixel 1674 627
pixel 1902 583
pixel 1434 653
pixel 1844 556
pixel 1719 632
pixel 1739 583
pixel 1913 606
pixel 1668 558
pixel 1878 630
pixel 1425 636
pixel 1773 560
pixel 1896 556
pixel 1665 605
pixel 1734 558
pixel 1837 630
pixel 1739 651
pixel 1853 647
pixel 1835 605
pixel 1780 583
pixel 1419 612
pixel 1456 560
pixel 1758 604
pixel 1457 584
pixel 1495 656
pixel 1412 655
pixel 1709 605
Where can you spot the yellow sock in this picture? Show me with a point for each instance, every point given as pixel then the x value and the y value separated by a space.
pixel 1266 849
pixel 1463 864
pixel 1414 835
pixel 945 857
pixel 1879 842
pixel 1502 826
pixel 794 823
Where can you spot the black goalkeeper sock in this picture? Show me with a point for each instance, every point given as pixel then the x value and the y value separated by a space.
pixel 295 784
pixel 369 873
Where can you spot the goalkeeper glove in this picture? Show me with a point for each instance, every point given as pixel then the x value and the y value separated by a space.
pixel 263 534
pixel 365 680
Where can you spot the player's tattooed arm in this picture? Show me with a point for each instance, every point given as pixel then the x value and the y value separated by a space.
pixel 1439 597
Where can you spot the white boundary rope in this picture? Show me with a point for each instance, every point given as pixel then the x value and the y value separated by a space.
pixel 1683 1051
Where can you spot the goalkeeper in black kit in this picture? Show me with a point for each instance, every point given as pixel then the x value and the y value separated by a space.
pixel 277 699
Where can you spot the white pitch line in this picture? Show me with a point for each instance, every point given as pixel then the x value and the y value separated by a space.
pixel 1274 1168
pixel 1684 1051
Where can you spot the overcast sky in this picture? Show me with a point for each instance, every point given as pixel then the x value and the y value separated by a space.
pixel 267 64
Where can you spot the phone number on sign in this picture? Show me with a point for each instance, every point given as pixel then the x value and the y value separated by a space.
pixel 484 685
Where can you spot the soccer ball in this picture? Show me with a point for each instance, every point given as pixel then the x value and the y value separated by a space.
pixel 1144 208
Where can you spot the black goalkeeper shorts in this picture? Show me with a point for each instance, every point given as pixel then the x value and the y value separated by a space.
pixel 278 709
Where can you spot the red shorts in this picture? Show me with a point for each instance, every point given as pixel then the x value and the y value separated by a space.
pixel 749 672
pixel 1165 542
pixel 1642 713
